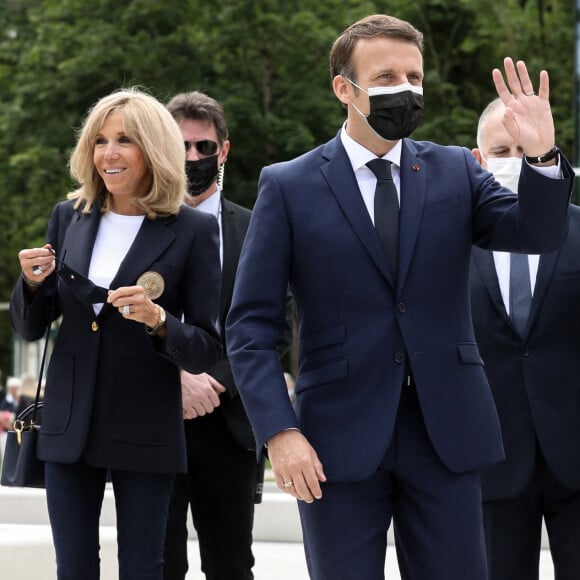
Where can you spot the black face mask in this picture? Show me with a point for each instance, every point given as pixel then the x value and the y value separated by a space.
pixel 201 174
pixel 395 112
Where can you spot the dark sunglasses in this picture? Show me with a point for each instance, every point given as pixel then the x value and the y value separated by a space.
pixel 204 147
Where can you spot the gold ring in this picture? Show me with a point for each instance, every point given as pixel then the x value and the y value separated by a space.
pixel 287 484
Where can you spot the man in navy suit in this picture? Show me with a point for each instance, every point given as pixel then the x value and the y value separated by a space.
pixel 393 414
pixel 533 373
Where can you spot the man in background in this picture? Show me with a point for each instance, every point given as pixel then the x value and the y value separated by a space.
pixel 224 478
pixel 526 313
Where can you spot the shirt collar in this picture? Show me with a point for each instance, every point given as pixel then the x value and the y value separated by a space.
pixel 359 156
pixel 211 204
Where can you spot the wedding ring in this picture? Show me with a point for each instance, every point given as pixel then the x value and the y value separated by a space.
pixel 287 484
pixel 126 310
pixel 37 270
pixel 530 93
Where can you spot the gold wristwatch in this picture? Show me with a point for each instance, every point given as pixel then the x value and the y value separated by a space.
pixel 160 324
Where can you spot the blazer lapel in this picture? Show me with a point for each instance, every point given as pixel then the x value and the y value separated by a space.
pixel 342 182
pixel 80 239
pixel 413 173
pixel 78 245
pixel 151 241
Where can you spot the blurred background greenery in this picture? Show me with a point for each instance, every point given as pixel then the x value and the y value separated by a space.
pixel 265 60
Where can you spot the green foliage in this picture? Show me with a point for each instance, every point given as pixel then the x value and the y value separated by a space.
pixel 265 60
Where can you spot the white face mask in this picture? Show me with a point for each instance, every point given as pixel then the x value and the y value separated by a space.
pixel 506 170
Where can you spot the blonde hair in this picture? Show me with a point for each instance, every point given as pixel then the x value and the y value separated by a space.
pixel 151 127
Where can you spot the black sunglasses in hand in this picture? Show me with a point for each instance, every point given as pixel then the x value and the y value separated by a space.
pixel 203 147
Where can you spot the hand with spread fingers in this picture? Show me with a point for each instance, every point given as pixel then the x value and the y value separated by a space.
pixel 296 466
pixel 528 116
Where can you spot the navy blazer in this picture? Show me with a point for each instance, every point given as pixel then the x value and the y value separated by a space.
pixel 535 380
pixel 358 331
pixel 113 394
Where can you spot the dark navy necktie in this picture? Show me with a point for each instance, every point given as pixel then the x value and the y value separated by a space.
pixel 386 211
pixel 520 292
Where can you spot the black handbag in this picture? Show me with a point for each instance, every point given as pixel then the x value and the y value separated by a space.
pixel 20 466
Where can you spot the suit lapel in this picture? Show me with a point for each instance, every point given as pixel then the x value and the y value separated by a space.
pixel 413 190
pixel 231 253
pixel 342 182
pixel 545 270
pixel 486 266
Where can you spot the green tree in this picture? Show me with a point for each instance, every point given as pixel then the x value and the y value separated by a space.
pixel 265 60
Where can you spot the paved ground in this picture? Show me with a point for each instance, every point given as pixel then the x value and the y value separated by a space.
pixel 285 561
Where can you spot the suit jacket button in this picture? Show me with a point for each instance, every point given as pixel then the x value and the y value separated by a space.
pixel 400 357
pixel 402 307
pixel 94 326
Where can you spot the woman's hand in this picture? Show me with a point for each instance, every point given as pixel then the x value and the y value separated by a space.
pixel 134 304
pixel 37 264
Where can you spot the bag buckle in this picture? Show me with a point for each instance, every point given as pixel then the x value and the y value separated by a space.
pixel 19 427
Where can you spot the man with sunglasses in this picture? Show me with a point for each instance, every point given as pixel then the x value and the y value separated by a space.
pixel 224 479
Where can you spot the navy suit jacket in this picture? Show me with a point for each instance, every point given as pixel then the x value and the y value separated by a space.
pixel 113 394
pixel 358 331
pixel 235 222
pixel 535 380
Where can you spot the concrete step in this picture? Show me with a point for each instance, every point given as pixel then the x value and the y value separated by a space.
pixel 26 548
pixel 276 518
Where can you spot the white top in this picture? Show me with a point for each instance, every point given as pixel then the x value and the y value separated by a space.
pixel 115 236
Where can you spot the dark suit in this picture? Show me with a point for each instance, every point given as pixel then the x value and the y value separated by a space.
pixel 113 399
pixel 534 381
pixel 223 472
pixel 360 336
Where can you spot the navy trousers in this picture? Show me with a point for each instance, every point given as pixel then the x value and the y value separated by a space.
pixel 513 528
pixel 436 514
pixel 75 496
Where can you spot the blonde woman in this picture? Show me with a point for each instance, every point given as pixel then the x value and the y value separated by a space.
pixel 138 293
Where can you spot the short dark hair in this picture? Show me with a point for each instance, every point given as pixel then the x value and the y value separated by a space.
pixel 196 105
pixel 375 26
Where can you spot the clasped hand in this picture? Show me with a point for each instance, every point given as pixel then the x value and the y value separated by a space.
pixel 199 394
